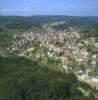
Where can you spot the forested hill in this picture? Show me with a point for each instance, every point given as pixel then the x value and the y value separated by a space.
pixel 34 23
pixel 22 79
pixel 76 22
pixel 90 30
pixel 18 24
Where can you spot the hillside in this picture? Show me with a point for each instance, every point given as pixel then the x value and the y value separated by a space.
pixel 90 30
pixel 77 22
pixel 23 79
pixel 5 41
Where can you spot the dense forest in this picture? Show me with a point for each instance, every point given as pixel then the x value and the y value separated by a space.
pixel 5 39
pixel 23 79
pixel 90 30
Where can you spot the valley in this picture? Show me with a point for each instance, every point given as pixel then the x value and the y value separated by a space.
pixel 60 48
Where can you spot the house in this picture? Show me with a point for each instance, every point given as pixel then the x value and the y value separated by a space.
pixel 95 79
pixel 94 60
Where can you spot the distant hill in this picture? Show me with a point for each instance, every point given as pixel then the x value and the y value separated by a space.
pixel 27 23
pixel 49 19
pixel 76 22
pixel 19 24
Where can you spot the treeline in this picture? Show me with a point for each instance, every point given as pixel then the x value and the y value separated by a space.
pixel 22 79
